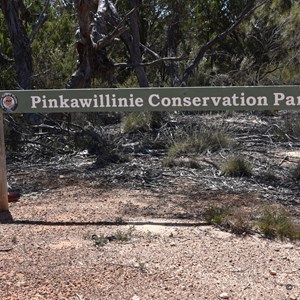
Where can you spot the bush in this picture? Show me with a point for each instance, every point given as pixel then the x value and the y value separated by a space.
pixel 237 167
pixel 275 221
pixel 200 142
pixel 239 221
pixel 140 121
pixel 236 220
pixel 215 215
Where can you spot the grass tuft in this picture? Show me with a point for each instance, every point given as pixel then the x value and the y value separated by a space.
pixel 239 221
pixel 216 215
pixel 275 221
pixel 140 121
pixel 237 167
pixel 119 236
pixel 198 143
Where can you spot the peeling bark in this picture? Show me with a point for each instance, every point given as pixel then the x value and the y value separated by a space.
pixel 92 40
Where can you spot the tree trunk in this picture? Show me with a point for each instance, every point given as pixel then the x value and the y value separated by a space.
pixel 20 42
pixel 134 46
pixel 92 40
pixel 173 40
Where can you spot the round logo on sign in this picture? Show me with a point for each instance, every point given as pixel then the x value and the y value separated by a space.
pixel 8 102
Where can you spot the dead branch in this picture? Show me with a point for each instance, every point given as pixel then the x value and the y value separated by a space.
pixel 107 39
pixel 150 50
pixel 159 60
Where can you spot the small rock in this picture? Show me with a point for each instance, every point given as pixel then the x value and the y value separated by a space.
pixel 135 297
pixel 224 296
pixel 289 246
pixel 272 272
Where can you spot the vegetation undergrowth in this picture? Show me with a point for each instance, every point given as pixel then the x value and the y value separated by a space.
pixel 236 220
pixel 237 167
pixel 273 221
pixel 212 140
pixel 140 121
pixel 290 128
pixel 216 215
pixel 119 236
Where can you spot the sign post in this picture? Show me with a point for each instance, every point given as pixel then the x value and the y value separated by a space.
pixel 3 179
pixel 216 98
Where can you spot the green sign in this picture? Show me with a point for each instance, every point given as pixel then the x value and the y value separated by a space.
pixel 152 99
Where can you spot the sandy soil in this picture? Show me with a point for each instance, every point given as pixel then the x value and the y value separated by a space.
pixel 72 242
pixel 135 230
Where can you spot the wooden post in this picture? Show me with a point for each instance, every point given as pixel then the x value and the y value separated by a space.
pixel 3 177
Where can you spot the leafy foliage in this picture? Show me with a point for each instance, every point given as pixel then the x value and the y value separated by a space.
pixel 263 49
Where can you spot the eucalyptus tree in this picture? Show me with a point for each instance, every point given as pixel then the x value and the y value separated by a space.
pixel 15 14
pixel 149 43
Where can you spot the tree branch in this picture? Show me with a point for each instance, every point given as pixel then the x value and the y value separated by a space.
pixel 41 20
pixel 4 59
pixel 159 60
pixel 248 10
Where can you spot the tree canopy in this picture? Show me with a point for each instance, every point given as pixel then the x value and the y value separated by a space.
pixel 57 44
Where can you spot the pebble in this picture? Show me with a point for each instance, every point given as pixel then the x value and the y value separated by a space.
pixel 272 272
pixel 224 296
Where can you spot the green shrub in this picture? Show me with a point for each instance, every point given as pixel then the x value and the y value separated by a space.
pixel 139 121
pixel 200 142
pixel 275 221
pixel 237 167
pixel 215 215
